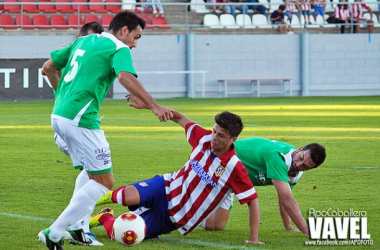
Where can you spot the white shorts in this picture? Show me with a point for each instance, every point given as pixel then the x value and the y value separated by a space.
pixel 88 148
pixel 228 202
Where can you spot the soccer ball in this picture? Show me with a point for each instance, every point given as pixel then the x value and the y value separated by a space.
pixel 129 229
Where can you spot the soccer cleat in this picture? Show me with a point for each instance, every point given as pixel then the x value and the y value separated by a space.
pixel 43 236
pixel 94 220
pixel 105 199
pixel 78 237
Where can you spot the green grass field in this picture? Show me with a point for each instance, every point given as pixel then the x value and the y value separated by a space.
pixel 37 179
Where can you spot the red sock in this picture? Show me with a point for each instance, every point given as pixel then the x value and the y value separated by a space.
pixel 107 221
pixel 119 193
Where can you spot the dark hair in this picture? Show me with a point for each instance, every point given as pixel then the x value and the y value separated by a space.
pixel 282 7
pixel 231 122
pixel 317 153
pixel 95 27
pixel 126 18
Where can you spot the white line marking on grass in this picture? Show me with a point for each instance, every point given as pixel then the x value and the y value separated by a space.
pixel 170 239
pixel 209 244
pixel 364 167
pixel 25 217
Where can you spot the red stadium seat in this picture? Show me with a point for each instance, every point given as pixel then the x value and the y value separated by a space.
pixel 58 22
pixel 96 7
pixel 47 8
pixel 7 22
pixel 82 8
pixel 41 22
pixel 75 21
pixel 148 11
pixel 63 8
pixel 12 8
pixel 106 20
pixel 29 8
pixel 91 18
pixel 160 22
pixel 147 20
pixel 113 7
pixel 24 22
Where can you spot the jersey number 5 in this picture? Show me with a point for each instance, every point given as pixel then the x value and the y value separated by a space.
pixel 74 64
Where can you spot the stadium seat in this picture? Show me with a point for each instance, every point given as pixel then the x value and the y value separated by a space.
pixel 63 8
pixel 160 22
pixel 147 20
pixel 199 6
pixel 97 6
pixel 228 21
pixel 212 21
pixel 274 4
pixel 29 8
pixel 12 8
pixel 75 21
pixel 7 22
pixel 113 6
pixel 46 8
pixel 129 5
pixel 313 22
pixel 80 8
pixel 295 21
pixel 91 18
pixel 374 19
pixel 58 22
pixel 260 21
pixel 106 19
pixel 24 22
pixel 244 21
pixel 41 22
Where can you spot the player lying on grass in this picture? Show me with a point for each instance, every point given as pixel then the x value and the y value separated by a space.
pixel 185 198
pixel 273 163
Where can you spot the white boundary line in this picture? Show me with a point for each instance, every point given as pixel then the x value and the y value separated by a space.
pixel 162 238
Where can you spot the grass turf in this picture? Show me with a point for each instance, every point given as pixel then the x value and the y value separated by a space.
pixel 37 179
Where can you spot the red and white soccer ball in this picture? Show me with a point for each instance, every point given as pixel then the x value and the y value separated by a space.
pixel 129 229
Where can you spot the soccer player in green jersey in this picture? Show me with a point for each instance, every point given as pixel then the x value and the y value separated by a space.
pixel 275 163
pixel 89 67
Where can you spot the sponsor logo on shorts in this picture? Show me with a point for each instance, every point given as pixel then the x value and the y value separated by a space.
pixel 143 184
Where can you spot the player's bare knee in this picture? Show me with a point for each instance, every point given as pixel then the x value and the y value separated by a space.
pixel 132 196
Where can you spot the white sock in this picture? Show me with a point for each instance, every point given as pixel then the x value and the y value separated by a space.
pixel 81 204
pixel 83 223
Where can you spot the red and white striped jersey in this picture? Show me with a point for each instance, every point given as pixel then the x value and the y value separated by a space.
pixel 305 5
pixel 199 187
pixel 342 13
pixel 320 3
pixel 357 10
pixel 290 6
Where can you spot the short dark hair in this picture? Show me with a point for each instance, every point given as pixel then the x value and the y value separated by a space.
pixel 317 153
pixel 282 7
pixel 96 28
pixel 126 18
pixel 231 122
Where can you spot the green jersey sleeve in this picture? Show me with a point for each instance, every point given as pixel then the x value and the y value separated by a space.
pixel 61 57
pixel 122 61
pixel 276 167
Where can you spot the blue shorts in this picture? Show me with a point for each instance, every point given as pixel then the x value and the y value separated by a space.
pixel 318 10
pixel 289 14
pixel 153 207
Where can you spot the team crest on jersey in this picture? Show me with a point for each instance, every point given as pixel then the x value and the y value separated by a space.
pixel 219 171
pixel 143 184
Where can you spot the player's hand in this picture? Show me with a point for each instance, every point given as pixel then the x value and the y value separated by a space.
pixel 254 241
pixel 136 102
pixel 292 229
pixel 164 114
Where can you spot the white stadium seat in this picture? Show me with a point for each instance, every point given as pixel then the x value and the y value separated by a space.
pixel 199 6
pixel 228 21
pixel 260 21
pixel 212 21
pixel 244 21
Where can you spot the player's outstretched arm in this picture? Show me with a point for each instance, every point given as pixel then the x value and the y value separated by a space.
pixel 254 222
pixel 52 72
pixel 286 221
pixel 180 118
pixel 290 205
pixel 131 84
